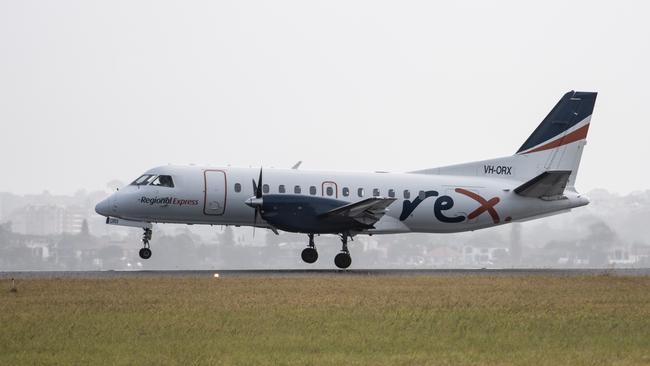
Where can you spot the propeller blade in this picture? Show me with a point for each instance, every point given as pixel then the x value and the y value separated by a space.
pixel 255 222
pixel 258 191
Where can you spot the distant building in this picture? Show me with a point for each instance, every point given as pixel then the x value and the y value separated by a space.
pixel 40 248
pixel 445 256
pixel 47 220
pixel 475 256
pixel 73 219
pixel 622 255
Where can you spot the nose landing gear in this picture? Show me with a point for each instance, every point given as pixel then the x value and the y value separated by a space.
pixel 145 252
pixel 310 254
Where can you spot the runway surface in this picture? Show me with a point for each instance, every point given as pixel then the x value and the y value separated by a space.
pixel 635 272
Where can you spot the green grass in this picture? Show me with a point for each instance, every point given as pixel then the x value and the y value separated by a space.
pixel 334 320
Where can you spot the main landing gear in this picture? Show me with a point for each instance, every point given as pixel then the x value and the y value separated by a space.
pixel 310 254
pixel 342 260
pixel 145 252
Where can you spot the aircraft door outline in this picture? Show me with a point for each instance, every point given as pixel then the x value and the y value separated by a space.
pixel 329 189
pixel 214 192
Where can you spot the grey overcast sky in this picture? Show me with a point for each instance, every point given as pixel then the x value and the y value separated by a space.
pixel 92 91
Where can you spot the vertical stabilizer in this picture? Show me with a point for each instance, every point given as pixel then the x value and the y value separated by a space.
pixel 555 145
pixel 558 141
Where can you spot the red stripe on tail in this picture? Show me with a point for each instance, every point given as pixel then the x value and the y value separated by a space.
pixel 577 135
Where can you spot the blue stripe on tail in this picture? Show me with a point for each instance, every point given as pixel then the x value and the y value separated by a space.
pixel 569 111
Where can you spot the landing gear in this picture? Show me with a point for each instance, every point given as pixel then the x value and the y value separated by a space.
pixel 343 259
pixel 310 254
pixel 145 252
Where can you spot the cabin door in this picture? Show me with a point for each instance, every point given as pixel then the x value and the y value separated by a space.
pixel 330 189
pixel 215 192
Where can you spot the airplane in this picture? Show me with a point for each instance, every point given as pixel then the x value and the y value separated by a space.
pixel 537 181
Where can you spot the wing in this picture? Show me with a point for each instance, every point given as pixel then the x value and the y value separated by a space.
pixel 548 185
pixel 367 211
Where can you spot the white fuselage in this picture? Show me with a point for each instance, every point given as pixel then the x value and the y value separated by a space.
pixel 217 196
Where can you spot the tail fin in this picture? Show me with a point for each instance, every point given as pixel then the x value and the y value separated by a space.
pixel 556 145
pixel 559 140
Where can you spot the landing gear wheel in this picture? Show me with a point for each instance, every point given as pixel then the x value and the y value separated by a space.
pixel 145 253
pixel 309 255
pixel 343 260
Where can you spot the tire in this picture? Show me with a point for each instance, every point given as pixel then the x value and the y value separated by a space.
pixel 309 255
pixel 343 260
pixel 145 253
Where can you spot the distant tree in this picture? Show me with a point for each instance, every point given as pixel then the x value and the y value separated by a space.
pixel 110 253
pixel 5 233
pixel 174 252
pixel 5 227
pixel 206 252
pixel 274 241
pixel 84 228
pixel 227 238
pixel 114 185
pixel 515 244
pixel 600 239
pixel 500 256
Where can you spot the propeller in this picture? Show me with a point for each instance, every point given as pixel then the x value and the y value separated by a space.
pixel 257 200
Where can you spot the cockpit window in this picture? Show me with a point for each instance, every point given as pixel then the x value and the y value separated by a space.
pixel 143 180
pixel 163 181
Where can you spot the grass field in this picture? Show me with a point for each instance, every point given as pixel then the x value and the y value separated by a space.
pixel 336 320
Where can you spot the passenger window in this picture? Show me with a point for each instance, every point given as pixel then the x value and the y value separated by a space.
pixel 237 187
pixel 143 180
pixel 296 189
pixel 375 192
pixel 407 194
pixel 422 195
pixel 360 192
pixel 329 191
pixel 391 193
pixel 312 190
pixel 163 181
pixel 265 188
pixel 281 188
pixel 346 191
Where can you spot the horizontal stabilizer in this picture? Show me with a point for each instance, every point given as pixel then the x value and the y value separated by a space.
pixel 549 184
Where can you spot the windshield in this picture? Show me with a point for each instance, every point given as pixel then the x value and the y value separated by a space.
pixel 143 180
pixel 163 181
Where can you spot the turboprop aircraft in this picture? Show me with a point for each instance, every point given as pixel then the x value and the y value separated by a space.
pixel 537 181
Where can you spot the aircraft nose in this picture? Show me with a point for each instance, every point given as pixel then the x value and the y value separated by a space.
pixel 103 207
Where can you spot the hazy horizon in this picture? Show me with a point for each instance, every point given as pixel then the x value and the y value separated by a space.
pixel 93 91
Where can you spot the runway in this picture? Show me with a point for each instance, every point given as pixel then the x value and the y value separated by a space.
pixel 297 273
